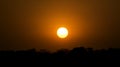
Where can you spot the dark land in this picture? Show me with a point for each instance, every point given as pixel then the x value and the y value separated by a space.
pixel 77 56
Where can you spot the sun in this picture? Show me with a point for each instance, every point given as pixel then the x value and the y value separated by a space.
pixel 62 32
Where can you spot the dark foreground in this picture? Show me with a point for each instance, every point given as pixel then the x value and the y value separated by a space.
pixel 77 56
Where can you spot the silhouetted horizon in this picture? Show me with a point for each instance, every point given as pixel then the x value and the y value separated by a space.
pixel 77 56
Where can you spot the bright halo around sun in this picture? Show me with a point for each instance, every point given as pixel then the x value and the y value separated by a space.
pixel 62 32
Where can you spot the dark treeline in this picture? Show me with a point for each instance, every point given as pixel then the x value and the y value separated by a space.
pixel 76 56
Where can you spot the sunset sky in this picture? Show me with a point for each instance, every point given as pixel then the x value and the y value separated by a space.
pixel 26 24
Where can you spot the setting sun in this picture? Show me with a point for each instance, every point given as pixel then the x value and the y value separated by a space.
pixel 62 32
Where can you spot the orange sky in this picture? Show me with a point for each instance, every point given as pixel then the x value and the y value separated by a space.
pixel 26 24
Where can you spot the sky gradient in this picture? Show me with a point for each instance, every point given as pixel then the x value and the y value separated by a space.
pixel 26 24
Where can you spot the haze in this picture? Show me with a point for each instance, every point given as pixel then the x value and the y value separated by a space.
pixel 26 24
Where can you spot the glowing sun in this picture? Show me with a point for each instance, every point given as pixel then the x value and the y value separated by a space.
pixel 62 32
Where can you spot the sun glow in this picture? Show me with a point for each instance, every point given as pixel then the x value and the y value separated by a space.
pixel 62 32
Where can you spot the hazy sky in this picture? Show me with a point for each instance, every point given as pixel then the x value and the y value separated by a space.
pixel 26 24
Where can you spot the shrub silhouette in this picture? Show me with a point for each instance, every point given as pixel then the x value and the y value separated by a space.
pixel 76 56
